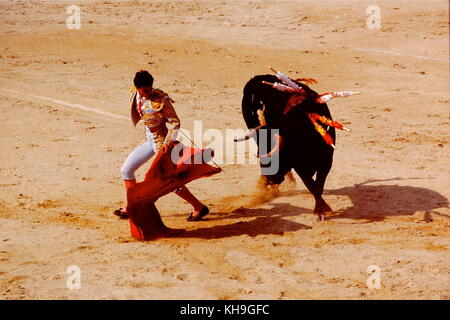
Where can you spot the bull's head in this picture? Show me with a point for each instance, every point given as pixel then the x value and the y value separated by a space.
pixel 254 131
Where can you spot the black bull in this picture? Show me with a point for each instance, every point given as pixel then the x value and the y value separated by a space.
pixel 303 148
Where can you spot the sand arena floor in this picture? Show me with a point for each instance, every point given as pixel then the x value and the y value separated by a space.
pixel 65 133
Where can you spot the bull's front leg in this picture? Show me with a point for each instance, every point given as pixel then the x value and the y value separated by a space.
pixel 321 208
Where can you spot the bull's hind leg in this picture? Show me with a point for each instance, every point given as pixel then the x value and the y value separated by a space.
pixel 316 186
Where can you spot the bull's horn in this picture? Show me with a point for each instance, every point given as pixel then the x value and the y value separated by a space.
pixel 276 148
pixel 248 135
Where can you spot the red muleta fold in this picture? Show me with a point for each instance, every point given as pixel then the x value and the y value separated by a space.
pixel 163 177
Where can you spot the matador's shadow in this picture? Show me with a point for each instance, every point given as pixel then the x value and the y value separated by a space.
pixel 376 202
pixel 268 222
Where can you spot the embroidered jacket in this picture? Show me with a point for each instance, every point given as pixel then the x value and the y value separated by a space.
pixel 155 113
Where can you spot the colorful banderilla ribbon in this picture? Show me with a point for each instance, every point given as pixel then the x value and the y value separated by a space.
pixel 324 98
pixel 326 137
pixel 327 121
pixel 299 94
pixel 314 117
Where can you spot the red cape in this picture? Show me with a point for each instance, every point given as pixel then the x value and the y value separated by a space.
pixel 168 172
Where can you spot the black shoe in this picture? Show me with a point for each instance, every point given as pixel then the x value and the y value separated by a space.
pixel 203 212
pixel 121 214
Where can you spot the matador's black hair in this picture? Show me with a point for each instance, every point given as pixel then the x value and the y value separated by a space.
pixel 143 79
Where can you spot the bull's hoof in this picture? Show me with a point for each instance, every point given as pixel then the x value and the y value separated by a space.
pixel 322 209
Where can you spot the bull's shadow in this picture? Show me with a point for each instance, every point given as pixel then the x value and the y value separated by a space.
pixel 376 202
pixel 369 202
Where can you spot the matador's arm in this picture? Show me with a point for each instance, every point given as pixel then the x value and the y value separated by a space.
pixel 172 119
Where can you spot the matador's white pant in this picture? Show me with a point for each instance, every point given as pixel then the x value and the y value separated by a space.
pixel 138 157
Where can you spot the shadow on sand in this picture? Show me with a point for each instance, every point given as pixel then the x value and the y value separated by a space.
pixel 370 202
pixel 376 202
pixel 268 222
